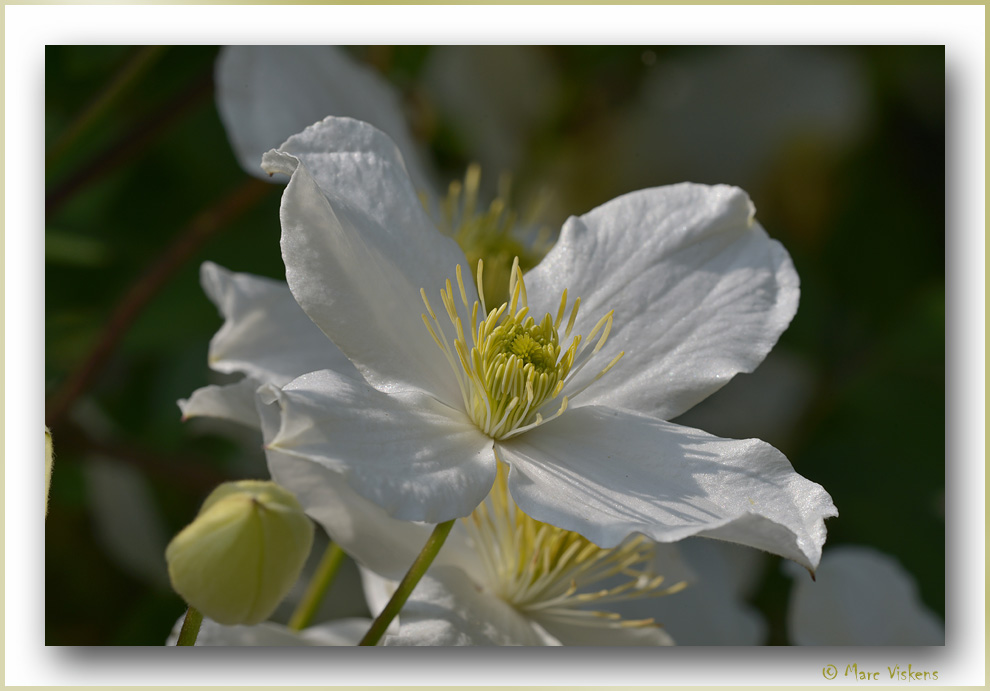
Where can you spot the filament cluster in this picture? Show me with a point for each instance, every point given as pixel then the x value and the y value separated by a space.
pixel 511 369
pixel 554 573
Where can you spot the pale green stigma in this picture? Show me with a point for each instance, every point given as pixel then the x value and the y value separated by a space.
pixel 514 369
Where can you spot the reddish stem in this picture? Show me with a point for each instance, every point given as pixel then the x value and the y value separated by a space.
pixel 196 233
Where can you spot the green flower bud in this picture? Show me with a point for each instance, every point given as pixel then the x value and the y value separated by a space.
pixel 240 556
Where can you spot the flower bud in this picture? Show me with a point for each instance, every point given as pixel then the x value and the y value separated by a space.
pixel 240 556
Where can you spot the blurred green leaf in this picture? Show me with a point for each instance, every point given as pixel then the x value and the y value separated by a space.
pixel 74 250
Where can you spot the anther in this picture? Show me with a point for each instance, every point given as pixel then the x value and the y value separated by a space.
pixel 514 365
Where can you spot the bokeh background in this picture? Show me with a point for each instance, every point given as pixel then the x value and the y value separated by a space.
pixel 842 150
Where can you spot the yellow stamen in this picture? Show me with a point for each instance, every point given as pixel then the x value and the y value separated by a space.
pixel 539 568
pixel 513 367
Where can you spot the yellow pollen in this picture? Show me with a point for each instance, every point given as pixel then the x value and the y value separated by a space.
pixel 512 370
pixel 539 568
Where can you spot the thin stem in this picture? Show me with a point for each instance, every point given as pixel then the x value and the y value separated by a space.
pixel 130 73
pixel 200 229
pixel 190 627
pixel 408 583
pixel 318 587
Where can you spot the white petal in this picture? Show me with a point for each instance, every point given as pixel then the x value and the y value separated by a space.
pixel 214 634
pixel 358 248
pixel 700 293
pixel 338 632
pixel 711 610
pixel 406 452
pixel 265 333
pixel 606 473
pixel 570 632
pixel 447 608
pixel 234 402
pixel 335 633
pixel 860 597
pixel 362 528
pixel 265 94
pixel 378 590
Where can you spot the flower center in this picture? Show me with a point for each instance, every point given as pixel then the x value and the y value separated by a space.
pixel 514 369
pixel 544 570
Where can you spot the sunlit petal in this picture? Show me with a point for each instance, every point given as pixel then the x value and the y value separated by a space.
pixel 699 293
pixel 358 249
pixel 407 452
pixel 605 474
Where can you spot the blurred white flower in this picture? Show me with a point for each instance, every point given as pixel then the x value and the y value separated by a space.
pixel 713 609
pixel 126 519
pixel 510 580
pixel 265 94
pixel 495 97
pixel 730 113
pixel 860 597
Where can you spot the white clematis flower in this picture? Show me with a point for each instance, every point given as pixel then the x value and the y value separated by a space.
pixel 264 332
pixel 680 289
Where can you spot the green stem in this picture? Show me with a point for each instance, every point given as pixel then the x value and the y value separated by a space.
pixel 408 583
pixel 190 627
pixel 318 586
pixel 131 72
